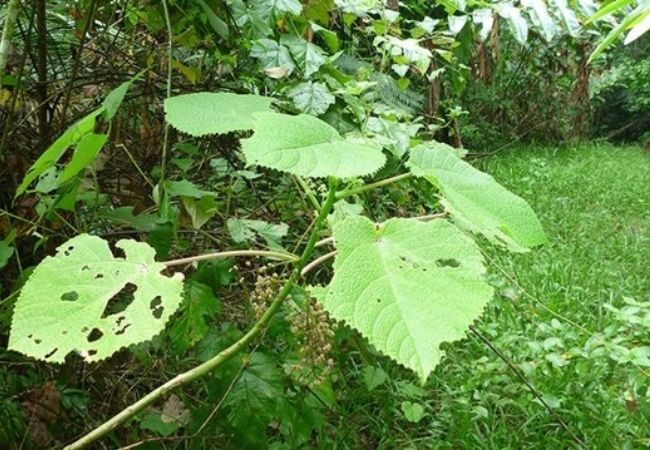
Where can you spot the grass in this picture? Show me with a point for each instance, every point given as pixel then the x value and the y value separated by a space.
pixel 560 316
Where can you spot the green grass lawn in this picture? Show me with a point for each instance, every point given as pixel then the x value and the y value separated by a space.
pixel 570 315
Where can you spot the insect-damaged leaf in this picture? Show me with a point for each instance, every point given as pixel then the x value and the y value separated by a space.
pixel 406 285
pixel 86 300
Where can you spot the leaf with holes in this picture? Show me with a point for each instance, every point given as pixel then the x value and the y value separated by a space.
pixel 206 113
pixel 407 286
pixel 306 146
pixel 475 200
pixel 86 300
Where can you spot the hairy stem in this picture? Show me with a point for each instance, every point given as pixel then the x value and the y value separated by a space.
pixel 5 43
pixel 220 255
pixel 225 355
pixel 317 262
pixel 370 186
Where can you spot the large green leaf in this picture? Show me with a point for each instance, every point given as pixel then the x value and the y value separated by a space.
pixel 83 300
pixel 568 16
pixel 407 286
pixel 192 324
pixel 214 113
pixel 306 146
pixel 475 200
pixel 518 24
pixel 539 13
pixel 256 397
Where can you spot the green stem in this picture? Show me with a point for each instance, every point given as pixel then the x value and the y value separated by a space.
pixel 5 43
pixel 370 186
pixel 225 355
pixel 310 194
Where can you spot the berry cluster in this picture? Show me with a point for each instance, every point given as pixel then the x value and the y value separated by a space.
pixel 315 330
pixel 267 285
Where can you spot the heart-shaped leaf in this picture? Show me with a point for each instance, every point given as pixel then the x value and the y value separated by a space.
pixel 406 285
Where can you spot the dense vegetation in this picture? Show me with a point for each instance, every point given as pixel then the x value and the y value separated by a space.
pixel 324 224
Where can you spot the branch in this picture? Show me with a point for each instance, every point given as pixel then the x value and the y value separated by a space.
pixel 376 184
pixel 220 255
pixel 318 261
pixel 222 357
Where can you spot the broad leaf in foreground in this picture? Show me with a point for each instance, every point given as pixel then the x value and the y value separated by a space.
pixel 476 201
pixel 86 300
pixel 206 113
pixel 306 146
pixel 406 285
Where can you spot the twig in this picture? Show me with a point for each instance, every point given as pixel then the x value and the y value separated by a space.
pixel 19 77
pixel 41 70
pixel 325 241
pixel 433 216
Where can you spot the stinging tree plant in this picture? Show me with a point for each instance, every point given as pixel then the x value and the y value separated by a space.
pixel 407 285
